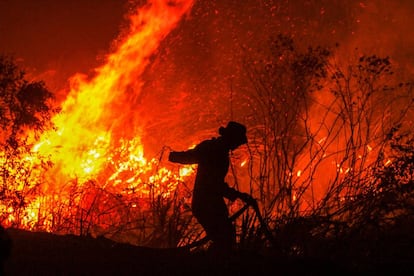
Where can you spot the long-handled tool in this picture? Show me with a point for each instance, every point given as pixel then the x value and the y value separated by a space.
pixel 263 224
pixel 251 203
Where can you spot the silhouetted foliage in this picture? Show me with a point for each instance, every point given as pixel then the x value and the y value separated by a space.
pixel 25 110
pixel 23 104
pixel 329 164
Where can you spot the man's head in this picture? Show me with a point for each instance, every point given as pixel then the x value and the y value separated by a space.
pixel 234 134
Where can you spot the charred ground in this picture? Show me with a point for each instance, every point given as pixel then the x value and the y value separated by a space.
pixel 35 253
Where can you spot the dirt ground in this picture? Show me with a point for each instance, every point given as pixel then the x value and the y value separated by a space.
pixel 49 254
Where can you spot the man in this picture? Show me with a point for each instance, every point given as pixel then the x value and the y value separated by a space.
pixel 208 206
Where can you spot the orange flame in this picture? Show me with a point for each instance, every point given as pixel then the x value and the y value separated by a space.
pixel 96 135
pixel 94 110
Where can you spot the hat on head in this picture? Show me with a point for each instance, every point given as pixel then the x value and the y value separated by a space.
pixel 235 131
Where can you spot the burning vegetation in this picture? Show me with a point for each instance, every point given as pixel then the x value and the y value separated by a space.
pixel 329 159
pixel 86 173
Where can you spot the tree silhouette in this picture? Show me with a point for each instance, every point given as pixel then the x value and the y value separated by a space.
pixel 328 162
pixel 23 104
pixel 25 110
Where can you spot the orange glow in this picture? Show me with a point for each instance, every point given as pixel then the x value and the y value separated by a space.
pixel 187 170
pixel 85 136
pixel 97 135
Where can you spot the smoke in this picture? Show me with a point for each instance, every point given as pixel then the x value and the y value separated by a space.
pixel 53 40
pixel 192 85
pixel 197 80
pixel 384 28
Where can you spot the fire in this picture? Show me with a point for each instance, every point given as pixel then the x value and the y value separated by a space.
pixel 97 136
pixel 243 163
pixel 187 170
pixel 90 122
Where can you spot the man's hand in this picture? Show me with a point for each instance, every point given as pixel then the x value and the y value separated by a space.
pixel 247 198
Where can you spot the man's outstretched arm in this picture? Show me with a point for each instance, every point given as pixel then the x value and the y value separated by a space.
pixel 184 157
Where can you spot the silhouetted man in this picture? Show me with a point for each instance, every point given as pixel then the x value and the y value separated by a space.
pixel 208 206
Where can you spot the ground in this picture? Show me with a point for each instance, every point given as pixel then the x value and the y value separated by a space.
pixel 49 254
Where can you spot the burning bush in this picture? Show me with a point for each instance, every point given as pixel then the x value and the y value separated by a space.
pixel 88 175
pixel 330 151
